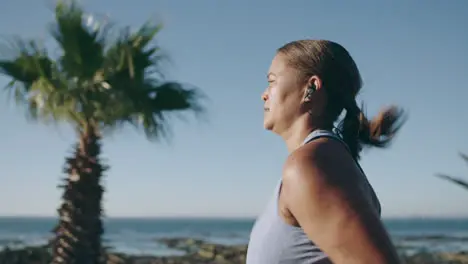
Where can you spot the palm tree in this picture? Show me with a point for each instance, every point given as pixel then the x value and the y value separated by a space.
pixel 96 83
pixel 461 183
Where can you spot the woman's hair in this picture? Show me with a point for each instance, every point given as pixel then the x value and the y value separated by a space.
pixel 342 81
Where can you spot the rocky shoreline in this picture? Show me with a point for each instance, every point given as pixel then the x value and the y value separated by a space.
pixel 198 252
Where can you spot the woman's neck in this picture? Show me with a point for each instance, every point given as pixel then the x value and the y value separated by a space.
pixel 299 131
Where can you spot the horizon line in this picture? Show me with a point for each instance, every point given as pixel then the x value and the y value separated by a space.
pixel 195 217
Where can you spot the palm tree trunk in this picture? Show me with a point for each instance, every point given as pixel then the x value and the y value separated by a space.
pixel 78 233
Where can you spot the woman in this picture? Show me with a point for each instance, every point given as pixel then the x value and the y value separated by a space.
pixel 324 209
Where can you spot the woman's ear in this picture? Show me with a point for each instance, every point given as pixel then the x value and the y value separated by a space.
pixel 315 81
pixel 313 84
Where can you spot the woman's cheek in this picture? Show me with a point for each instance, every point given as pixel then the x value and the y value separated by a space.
pixel 273 94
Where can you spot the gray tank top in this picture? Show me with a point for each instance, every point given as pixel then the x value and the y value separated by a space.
pixel 273 241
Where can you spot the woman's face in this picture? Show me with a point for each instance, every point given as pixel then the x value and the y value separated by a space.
pixel 283 96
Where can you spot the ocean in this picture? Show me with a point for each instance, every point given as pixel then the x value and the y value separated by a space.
pixel 139 236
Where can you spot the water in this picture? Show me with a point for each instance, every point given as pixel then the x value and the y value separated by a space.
pixel 139 236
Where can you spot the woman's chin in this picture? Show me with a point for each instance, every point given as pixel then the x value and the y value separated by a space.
pixel 267 125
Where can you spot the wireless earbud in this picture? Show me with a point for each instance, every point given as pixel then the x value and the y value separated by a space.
pixel 310 90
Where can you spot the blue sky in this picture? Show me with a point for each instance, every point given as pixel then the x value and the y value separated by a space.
pixel 412 53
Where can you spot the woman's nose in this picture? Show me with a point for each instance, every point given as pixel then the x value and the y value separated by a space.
pixel 264 96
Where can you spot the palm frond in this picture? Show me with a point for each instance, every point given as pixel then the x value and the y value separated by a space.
pixel 28 68
pixel 97 80
pixel 81 40
pixel 173 96
pixel 36 82
pixel 28 61
pixel 150 109
pixel 168 99
pixel 131 56
pixel 144 101
pixel 459 182
pixel 464 157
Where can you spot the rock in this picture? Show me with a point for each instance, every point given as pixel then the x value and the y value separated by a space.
pixel 208 254
pixel 460 257
pixel 199 252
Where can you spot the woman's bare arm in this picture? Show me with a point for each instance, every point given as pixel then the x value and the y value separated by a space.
pixel 321 192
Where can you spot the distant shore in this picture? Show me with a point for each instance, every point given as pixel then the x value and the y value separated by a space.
pixel 199 241
pixel 200 252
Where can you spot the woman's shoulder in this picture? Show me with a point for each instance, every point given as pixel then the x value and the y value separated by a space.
pixel 323 159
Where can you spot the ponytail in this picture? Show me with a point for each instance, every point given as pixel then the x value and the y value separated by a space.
pixel 357 131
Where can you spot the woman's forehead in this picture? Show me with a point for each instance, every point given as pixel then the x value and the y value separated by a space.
pixel 278 66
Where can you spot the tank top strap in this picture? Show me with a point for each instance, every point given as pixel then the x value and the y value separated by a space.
pixel 330 134
pixel 319 133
